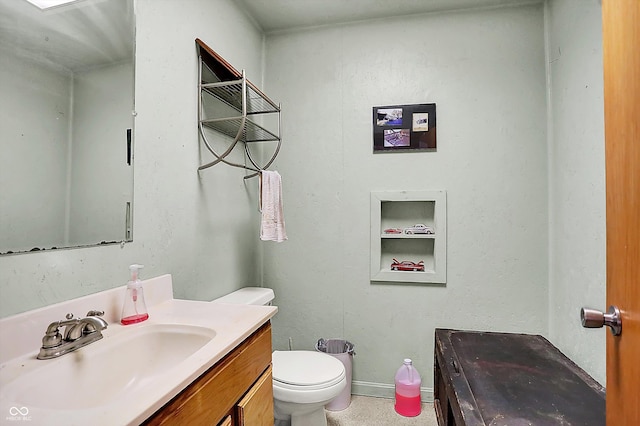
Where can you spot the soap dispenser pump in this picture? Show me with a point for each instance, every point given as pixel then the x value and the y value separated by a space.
pixel 134 310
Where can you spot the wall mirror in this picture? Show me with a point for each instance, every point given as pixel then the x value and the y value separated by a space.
pixel 67 84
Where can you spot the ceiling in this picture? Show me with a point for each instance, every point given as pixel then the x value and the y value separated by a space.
pixel 90 33
pixel 78 36
pixel 280 15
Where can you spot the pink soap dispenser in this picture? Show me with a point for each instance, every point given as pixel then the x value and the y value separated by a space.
pixel 134 310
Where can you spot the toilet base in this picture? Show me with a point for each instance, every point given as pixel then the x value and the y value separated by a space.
pixel 315 418
pixel 306 416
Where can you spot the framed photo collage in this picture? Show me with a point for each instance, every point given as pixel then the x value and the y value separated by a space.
pixel 404 128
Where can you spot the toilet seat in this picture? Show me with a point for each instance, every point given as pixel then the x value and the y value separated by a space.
pixel 306 370
pixel 306 377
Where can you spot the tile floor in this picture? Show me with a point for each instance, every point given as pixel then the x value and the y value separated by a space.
pixel 368 411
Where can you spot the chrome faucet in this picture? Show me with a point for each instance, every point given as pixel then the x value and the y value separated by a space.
pixel 78 332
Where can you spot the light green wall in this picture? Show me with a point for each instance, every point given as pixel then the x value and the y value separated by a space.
pixel 485 71
pixel 203 230
pixel 577 249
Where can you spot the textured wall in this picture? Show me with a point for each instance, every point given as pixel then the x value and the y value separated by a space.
pixel 485 71
pixel 577 249
pixel 203 230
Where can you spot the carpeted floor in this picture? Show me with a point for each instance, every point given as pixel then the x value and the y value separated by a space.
pixel 368 411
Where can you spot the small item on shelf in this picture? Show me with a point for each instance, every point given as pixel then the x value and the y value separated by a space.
pixel 393 231
pixel 407 265
pixel 419 228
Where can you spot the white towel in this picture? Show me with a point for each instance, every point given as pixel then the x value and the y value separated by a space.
pixel 272 225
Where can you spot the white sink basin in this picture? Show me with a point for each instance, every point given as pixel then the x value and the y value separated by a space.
pixel 107 368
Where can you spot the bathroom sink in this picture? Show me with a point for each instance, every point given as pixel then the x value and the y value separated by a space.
pixel 131 373
pixel 93 375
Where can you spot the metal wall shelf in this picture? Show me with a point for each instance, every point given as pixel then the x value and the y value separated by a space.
pixel 230 90
pixel 231 94
pixel 251 132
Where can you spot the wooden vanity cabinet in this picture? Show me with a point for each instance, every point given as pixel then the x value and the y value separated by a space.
pixel 235 391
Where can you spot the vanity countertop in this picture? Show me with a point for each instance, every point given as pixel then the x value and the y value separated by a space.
pixel 232 324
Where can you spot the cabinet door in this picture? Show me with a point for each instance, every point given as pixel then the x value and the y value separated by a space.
pixel 226 421
pixel 256 407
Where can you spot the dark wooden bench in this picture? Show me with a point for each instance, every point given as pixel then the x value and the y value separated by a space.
pixel 505 379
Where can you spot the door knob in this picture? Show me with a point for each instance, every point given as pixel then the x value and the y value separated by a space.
pixel 592 318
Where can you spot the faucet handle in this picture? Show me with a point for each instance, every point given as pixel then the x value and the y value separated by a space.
pixel 52 336
pixel 51 340
pixel 93 313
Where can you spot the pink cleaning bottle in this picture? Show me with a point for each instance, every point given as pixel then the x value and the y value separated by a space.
pixel 408 383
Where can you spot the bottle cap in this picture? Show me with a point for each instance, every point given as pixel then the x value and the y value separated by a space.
pixel 134 271
pixel 407 361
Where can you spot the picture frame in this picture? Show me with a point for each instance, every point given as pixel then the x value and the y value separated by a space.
pixel 401 128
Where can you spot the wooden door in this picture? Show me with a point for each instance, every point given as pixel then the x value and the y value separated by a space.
pixel 621 50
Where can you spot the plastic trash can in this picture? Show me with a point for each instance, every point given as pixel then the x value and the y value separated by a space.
pixel 343 351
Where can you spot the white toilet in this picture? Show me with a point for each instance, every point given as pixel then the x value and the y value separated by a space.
pixel 303 381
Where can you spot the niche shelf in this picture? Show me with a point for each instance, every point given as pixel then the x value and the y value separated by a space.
pixel 404 209
pixel 233 106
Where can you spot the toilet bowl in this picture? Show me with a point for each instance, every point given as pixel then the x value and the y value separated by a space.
pixel 303 381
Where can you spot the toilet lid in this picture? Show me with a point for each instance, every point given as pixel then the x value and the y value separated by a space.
pixel 306 368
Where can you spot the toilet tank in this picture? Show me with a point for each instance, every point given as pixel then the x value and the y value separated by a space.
pixel 248 296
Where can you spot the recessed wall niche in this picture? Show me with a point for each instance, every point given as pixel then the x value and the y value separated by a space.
pixel 409 236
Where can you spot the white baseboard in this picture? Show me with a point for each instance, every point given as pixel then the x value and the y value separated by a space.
pixel 383 390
